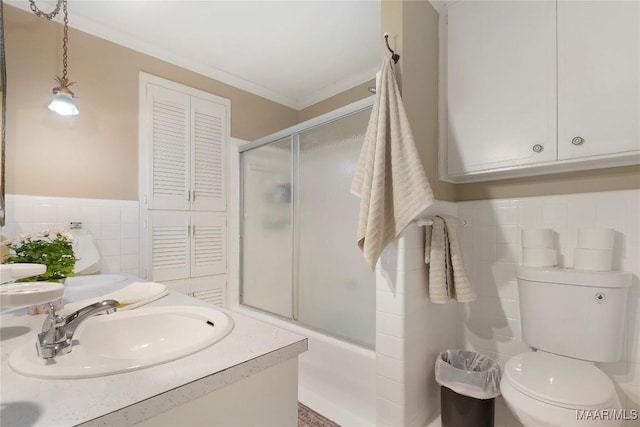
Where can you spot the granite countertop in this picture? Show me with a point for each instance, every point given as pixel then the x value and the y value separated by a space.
pixel 129 398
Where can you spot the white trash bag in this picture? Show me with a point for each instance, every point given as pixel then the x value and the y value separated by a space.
pixel 468 373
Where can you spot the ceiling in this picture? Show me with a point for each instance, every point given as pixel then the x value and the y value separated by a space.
pixel 295 52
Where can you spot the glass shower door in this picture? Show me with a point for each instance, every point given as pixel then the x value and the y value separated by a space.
pixel 335 286
pixel 299 257
pixel 267 257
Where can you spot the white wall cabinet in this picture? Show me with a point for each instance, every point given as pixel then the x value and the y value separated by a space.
pixel 598 78
pixel 502 84
pixel 533 87
pixel 186 150
pixel 186 245
pixel 184 133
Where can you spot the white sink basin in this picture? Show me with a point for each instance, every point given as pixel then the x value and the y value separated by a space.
pixel 128 340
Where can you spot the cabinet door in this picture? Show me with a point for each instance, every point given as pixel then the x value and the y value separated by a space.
pixel 170 148
pixel 598 78
pixel 501 84
pixel 209 130
pixel 208 244
pixel 168 235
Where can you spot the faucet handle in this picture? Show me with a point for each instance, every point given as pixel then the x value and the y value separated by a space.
pixel 57 331
pixel 52 319
pixel 52 341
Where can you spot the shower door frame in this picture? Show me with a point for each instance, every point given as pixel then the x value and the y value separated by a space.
pixel 292 133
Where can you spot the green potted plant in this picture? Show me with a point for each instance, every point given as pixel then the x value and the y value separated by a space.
pixel 51 248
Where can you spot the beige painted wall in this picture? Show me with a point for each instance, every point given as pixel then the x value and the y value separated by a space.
pixel 413 30
pixel 621 178
pixel 94 154
pixel 347 97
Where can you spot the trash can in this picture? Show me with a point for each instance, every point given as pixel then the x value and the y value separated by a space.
pixel 470 383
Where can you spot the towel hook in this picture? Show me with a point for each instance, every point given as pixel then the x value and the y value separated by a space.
pixel 394 55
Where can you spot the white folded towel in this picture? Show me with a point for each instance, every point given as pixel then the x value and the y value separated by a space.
pixel 447 276
pixel 129 297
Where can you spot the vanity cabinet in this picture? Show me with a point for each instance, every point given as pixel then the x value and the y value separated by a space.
pixel 537 87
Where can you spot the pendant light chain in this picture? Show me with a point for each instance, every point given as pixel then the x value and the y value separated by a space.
pixel 65 39
pixel 41 14
pixel 63 100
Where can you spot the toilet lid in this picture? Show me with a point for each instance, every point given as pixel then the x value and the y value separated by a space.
pixel 560 381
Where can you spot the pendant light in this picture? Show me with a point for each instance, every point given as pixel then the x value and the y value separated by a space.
pixel 63 101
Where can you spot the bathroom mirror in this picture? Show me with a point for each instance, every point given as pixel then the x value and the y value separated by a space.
pixel 3 97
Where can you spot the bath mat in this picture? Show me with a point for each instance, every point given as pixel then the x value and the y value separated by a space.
pixel 307 417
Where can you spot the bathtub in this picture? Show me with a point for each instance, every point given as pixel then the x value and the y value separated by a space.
pixel 335 378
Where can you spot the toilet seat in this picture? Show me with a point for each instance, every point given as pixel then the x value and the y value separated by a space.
pixel 560 381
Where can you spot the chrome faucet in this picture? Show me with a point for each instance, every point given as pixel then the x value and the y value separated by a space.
pixel 57 331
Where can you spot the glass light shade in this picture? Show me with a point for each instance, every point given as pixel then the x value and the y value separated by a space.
pixel 64 104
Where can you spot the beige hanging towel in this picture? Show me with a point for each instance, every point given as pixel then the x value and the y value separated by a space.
pixel 390 179
pixel 447 276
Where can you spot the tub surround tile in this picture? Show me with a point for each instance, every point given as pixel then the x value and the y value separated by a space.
pixel 406 347
pixel 90 214
pixel 391 390
pixel 529 213
pixel 390 346
pixel 129 231
pixel 22 209
pixel 112 223
pixel 506 215
pixel 508 253
pixel 389 414
pixel 129 263
pixel 110 215
pixel 554 213
pixel 44 213
pixel 486 215
pixel 68 211
pixel 389 324
pixel 390 303
pixel 129 215
pixel 389 367
pixel 129 246
pixel 110 247
pixel 508 234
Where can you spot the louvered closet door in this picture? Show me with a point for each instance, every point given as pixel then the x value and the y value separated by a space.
pixel 208 244
pixel 170 245
pixel 170 148
pixel 209 135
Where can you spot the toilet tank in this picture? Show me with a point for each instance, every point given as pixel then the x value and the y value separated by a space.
pixel 579 314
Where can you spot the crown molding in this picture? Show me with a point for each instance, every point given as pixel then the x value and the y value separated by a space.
pixel 106 33
pixel 339 87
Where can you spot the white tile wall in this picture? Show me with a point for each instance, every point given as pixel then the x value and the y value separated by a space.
pixel 114 224
pixel 491 325
pixel 410 331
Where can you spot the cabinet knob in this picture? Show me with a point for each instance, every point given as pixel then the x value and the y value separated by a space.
pixel 538 148
pixel 577 140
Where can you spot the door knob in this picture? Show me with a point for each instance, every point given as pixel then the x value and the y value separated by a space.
pixel 538 148
pixel 577 140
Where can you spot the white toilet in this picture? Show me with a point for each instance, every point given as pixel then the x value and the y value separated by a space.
pixel 573 319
